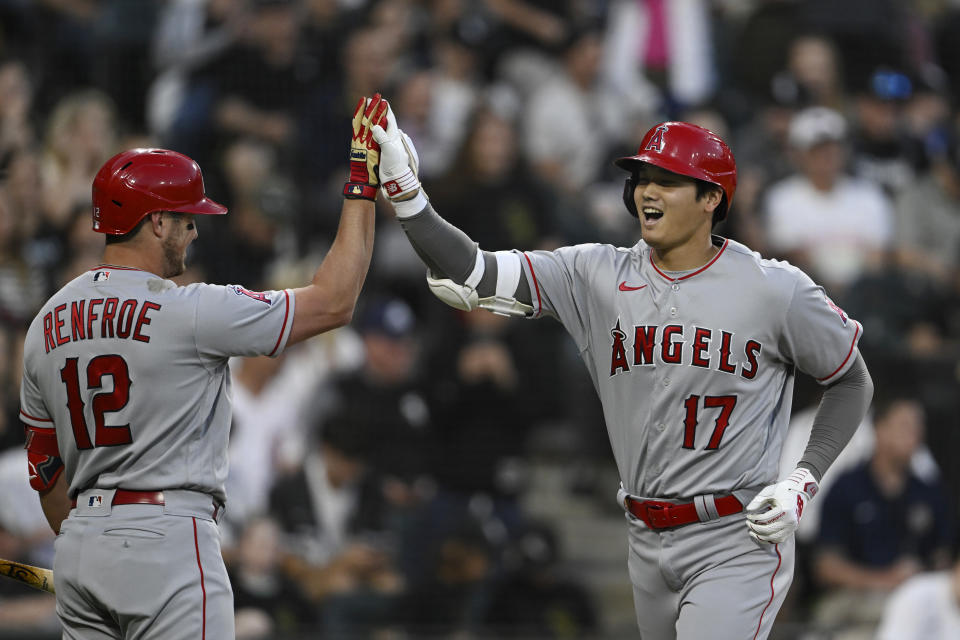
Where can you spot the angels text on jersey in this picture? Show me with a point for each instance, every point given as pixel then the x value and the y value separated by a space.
pixel 706 348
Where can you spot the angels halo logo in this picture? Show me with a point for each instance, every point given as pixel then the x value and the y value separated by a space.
pixel 256 295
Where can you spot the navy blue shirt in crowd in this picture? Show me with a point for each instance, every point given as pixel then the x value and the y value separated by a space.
pixel 876 530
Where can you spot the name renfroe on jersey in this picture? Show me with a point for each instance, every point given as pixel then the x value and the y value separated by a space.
pixel 706 348
pixel 92 318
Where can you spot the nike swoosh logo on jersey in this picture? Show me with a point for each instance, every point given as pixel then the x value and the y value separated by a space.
pixel 625 287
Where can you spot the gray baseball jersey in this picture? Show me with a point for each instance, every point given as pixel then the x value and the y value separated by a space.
pixel 694 370
pixel 131 371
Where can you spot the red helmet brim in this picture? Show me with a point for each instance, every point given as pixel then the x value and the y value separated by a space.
pixel 205 207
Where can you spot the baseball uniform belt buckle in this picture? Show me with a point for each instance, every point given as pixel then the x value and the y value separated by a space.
pixel 661 515
pixel 666 515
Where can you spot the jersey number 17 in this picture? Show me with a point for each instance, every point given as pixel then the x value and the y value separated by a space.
pixel 692 405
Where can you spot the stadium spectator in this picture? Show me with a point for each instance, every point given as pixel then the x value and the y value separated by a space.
pixel 189 33
pixel 928 212
pixel 335 519
pixel 880 146
pixel 16 101
pixel 814 63
pixel 534 599
pixel 267 603
pixel 515 210
pixel 879 525
pixel 592 120
pixel 820 218
pixel 925 607
pixel 387 395
pixel 80 135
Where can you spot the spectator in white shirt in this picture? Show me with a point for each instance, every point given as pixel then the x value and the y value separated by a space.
pixel 822 219
pixel 925 607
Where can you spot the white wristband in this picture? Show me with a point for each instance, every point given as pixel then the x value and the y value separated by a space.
pixel 411 207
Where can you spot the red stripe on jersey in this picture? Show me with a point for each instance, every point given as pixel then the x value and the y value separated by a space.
pixel 853 343
pixel 690 275
pixel 536 285
pixel 203 587
pixel 286 314
pixel 772 592
pixel 27 415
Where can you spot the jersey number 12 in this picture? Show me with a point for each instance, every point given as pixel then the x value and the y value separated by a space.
pixel 105 435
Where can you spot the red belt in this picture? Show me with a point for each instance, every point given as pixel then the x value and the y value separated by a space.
pixel 664 515
pixel 125 496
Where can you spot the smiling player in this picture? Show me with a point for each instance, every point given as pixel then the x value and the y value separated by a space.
pixel 692 341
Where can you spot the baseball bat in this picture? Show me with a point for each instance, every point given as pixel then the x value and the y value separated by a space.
pixel 36 577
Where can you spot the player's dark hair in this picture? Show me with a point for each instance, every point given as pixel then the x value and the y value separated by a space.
pixel 114 239
pixel 703 188
pixel 125 237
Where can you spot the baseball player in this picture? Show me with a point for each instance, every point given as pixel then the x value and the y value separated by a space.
pixel 126 395
pixel 692 342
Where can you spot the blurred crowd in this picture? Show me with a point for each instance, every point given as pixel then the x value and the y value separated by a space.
pixel 379 474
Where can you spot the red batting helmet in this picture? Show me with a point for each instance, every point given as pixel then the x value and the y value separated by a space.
pixel 686 149
pixel 138 182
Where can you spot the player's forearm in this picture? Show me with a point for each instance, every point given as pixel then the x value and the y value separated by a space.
pixel 834 570
pixel 842 408
pixel 450 253
pixel 55 503
pixel 341 274
pixel 446 250
pixel 329 301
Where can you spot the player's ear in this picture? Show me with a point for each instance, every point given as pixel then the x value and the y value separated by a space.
pixel 712 199
pixel 156 223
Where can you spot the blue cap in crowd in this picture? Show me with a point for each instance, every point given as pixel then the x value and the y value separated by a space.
pixel 391 317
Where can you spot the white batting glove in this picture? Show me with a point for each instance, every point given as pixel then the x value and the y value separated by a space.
pixel 399 164
pixel 774 514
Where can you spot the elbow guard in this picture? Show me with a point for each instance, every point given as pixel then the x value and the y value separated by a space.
pixel 44 463
pixel 458 296
pixel 465 297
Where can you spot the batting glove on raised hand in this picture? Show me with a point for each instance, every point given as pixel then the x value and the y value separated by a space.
pixel 399 162
pixel 774 514
pixel 364 151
